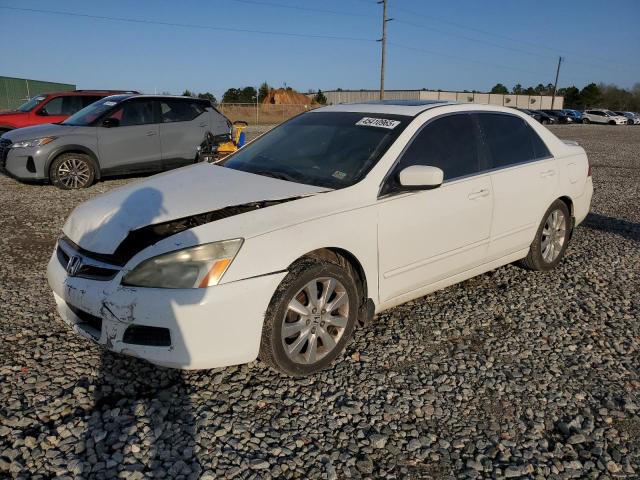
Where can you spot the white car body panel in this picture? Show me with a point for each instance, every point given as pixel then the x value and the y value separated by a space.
pixel 408 244
pixel 97 226
pixel 430 235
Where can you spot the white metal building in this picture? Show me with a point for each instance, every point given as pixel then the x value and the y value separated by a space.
pixel 534 102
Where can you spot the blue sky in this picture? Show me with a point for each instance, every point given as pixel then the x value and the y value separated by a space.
pixel 452 45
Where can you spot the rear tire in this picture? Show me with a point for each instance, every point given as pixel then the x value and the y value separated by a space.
pixel 551 240
pixel 586 121
pixel 72 171
pixel 300 335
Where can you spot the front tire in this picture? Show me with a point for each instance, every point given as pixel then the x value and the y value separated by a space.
pixel 72 171
pixel 551 240
pixel 311 317
pixel 586 121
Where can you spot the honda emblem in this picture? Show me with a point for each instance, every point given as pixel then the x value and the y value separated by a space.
pixel 73 265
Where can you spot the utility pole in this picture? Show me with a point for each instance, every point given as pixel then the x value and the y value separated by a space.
pixel 384 44
pixel 555 85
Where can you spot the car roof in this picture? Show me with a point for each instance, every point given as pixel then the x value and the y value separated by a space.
pixel 393 107
pixel 88 92
pixel 412 108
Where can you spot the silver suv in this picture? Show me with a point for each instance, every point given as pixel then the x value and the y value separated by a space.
pixel 120 134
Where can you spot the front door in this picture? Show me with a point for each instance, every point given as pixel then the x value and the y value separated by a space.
pixel 428 236
pixel 134 144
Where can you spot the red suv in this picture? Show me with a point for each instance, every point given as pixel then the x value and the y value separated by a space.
pixel 51 108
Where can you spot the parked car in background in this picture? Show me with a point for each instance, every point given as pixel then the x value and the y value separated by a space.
pixel 51 108
pixel 632 117
pixel 539 115
pixel 120 134
pixel 599 115
pixel 575 115
pixel 559 115
pixel 282 248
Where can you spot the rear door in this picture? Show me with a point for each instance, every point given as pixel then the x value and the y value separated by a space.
pixel 524 176
pixel 133 145
pixel 184 124
pixel 430 235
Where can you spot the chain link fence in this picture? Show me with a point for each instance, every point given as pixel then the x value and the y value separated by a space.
pixel 262 114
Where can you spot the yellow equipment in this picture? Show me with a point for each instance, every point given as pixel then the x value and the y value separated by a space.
pixel 238 139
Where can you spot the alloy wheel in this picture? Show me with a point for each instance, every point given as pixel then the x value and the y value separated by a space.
pixel 315 320
pixel 553 235
pixel 73 173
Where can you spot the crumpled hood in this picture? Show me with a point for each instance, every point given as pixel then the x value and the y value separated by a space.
pixel 102 223
pixel 37 131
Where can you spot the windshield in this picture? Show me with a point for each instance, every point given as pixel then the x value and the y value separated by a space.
pixel 610 113
pixel 86 116
pixel 28 106
pixel 327 149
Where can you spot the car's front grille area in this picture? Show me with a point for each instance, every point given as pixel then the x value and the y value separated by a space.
pixel 89 323
pixel 88 268
pixel 5 145
pixel 148 336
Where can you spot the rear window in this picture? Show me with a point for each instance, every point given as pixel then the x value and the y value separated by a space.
pixel 510 140
pixel 180 110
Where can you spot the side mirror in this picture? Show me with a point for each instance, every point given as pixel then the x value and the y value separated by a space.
pixel 111 122
pixel 43 112
pixel 421 177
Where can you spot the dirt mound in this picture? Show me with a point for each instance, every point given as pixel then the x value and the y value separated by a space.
pixel 282 96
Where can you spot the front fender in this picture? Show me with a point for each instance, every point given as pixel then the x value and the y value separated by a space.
pixel 73 148
pixel 354 231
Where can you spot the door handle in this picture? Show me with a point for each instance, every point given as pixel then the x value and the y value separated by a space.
pixel 479 194
pixel 151 133
pixel 547 173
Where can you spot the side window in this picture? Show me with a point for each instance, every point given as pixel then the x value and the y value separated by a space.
pixel 54 107
pixel 88 100
pixel 180 110
pixel 134 113
pixel 450 143
pixel 540 150
pixel 71 104
pixel 508 139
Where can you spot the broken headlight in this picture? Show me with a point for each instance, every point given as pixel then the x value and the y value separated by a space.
pixel 195 267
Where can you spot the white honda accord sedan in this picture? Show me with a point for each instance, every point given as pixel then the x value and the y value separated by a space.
pixel 280 250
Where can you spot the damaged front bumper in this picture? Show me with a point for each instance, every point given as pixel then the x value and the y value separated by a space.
pixel 179 328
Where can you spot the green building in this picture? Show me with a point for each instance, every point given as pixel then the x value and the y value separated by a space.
pixel 15 91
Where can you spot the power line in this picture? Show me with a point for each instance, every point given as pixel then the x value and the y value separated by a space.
pixel 512 39
pixel 461 59
pixel 305 9
pixel 262 32
pixel 188 25
pixel 472 39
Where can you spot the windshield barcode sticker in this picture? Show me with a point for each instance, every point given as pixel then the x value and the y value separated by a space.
pixel 378 122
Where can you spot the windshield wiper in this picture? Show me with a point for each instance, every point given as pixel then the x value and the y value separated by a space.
pixel 278 175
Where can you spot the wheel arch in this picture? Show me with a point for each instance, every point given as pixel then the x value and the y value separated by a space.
pixel 568 202
pixel 341 257
pixel 73 149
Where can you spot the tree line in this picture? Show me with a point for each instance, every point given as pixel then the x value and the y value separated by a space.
pixel 248 95
pixel 594 95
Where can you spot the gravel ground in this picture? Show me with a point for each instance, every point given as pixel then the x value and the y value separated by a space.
pixel 510 374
